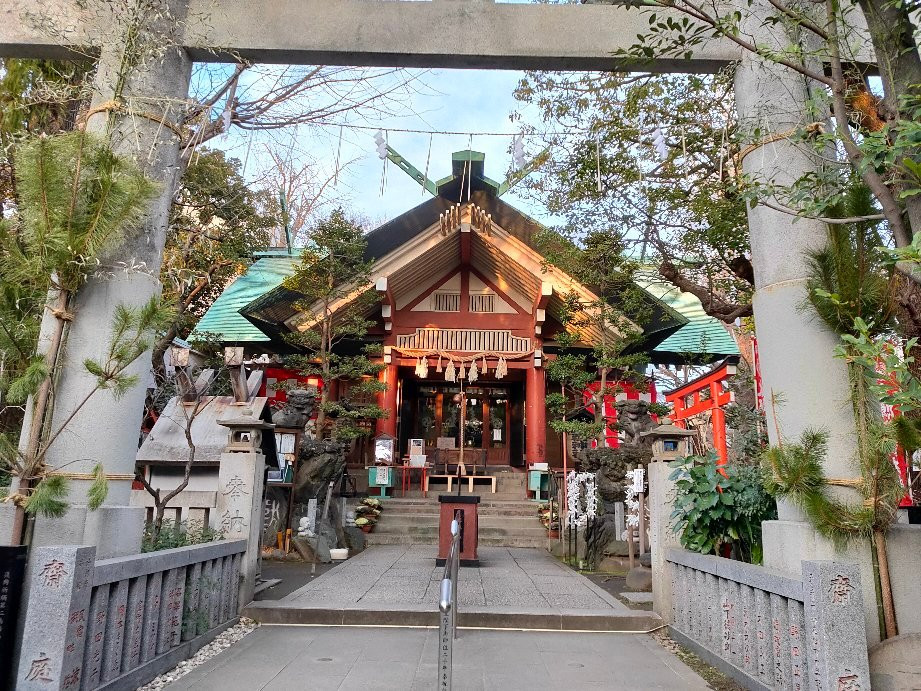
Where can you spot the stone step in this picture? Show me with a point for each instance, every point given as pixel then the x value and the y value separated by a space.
pixel 479 491
pixel 487 500
pixel 433 510
pixel 510 523
pixel 378 538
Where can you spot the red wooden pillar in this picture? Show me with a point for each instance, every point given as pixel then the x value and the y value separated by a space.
pixel 388 400
pixel 718 422
pixel 535 416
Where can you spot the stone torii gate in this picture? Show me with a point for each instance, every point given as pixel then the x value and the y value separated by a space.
pixel 796 352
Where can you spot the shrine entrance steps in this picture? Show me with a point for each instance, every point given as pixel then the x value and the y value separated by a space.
pixel 502 523
pixel 506 518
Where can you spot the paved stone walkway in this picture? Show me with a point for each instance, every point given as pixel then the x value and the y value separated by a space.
pixel 281 658
pixel 405 577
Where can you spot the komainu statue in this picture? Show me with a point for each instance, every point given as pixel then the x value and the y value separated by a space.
pixel 633 419
pixel 320 461
pixel 297 409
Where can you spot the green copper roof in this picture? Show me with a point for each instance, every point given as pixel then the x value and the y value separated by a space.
pixel 702 336
pixel 224 318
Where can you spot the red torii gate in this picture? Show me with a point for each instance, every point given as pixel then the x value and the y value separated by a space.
pixel 703 394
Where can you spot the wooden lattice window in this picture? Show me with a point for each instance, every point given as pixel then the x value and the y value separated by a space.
pixel 446 302
pixel 482 302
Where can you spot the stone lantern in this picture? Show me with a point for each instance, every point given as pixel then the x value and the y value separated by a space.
pixel 245 434
pixel 669 442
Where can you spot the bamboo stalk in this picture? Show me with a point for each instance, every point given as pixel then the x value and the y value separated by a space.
pixel 879 541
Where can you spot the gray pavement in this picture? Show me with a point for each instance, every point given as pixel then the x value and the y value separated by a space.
pixel 405 577
pixel 321 658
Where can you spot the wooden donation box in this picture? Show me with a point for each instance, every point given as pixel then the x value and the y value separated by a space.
pixel 464 509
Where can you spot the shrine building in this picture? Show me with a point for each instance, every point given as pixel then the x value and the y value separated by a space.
pixel 465 299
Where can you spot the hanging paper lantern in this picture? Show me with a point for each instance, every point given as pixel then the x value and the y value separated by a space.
pixel 462 373
pixel 473 371
pixel 450 373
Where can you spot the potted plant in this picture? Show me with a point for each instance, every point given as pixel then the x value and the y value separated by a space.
pixel 553 530
pixel 365 523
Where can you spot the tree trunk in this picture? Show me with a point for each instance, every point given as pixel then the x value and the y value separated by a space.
pixel 324 364
pixel 159 352
pixel 599 409
pixel 157 527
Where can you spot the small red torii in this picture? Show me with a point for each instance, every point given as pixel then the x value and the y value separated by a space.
pixel 703 394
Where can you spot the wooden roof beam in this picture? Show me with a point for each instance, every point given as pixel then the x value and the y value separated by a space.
pixel 466 238
pixel 546 292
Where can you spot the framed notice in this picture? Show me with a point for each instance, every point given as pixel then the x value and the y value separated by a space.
pixel 416 447
pixel 638 480
pixel 383 449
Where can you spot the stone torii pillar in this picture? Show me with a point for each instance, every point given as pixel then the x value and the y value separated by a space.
pixel 151 95
pixel 796 350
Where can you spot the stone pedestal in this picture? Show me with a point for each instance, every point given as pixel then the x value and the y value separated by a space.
pixel 239 510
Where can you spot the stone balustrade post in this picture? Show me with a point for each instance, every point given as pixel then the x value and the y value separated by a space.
pixel 57 620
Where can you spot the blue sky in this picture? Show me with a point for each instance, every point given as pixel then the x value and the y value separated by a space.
pixel 475 101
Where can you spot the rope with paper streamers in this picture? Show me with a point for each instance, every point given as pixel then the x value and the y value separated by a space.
pixel 450 371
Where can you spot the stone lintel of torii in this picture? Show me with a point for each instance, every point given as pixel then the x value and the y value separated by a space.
pixel 388 33
pixel 796 352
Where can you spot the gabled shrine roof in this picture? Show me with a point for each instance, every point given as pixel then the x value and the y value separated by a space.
pixel 256 306
pixel 223 318
pixel 703 335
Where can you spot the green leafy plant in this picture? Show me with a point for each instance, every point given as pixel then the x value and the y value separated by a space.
pixel 715 513
pixel 173 535
pixel 851 290
pixel 75 200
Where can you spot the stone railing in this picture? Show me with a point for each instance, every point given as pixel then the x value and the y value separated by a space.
pixel 117 623
pixel 767 629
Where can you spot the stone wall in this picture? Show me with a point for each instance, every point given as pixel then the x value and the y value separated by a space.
pixel 189 506
pixel 766 629
pixel 118 623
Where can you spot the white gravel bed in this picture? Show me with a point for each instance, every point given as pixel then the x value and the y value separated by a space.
pixel 223 641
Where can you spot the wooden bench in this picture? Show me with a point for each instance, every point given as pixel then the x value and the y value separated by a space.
pixel 491 479
pixel 429 477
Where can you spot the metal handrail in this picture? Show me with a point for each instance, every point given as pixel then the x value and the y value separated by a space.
pixel 447 607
